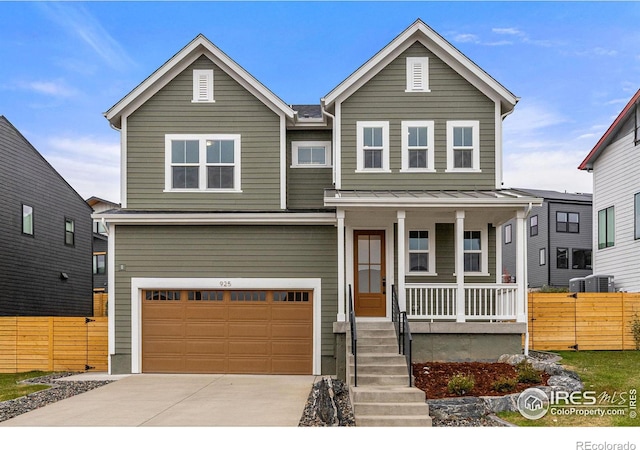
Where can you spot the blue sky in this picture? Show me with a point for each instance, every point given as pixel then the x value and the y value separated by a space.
pixel 573 64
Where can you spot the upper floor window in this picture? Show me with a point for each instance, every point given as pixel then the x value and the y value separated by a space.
pixel 533 226
pixel 203 86
pixel 463 146
pixel 562 258
pixel 567 222
pixel 311 154
pixel 373 146
pixel 636 215
pixel 99 263
pixel 508 234
pixel 69 232
pixel 606 227
pixel 417 74
pixel 27 220
pixel 99 227
pixel 417 146
pixel 581 259
pixel 421 252
pixel 202 162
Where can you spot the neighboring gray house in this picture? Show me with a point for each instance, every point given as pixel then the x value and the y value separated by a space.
pixel 247 223
pixel 45 235
pixel 616 199
pixel 559 238
pixel 100 243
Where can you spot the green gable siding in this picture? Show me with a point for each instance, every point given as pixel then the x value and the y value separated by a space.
pixel 225 251
pixel 235 111
pixel 383 98
pixel 305 186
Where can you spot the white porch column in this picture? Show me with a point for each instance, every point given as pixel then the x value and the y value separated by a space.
pixel 499 237
pixel 402 301
pixel 341 250
pixel 459 249
pixel 521 266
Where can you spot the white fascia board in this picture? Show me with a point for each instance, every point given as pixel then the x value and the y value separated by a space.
pixel 220 219
pixel 431 203
pixel 438 46
pixel 199 46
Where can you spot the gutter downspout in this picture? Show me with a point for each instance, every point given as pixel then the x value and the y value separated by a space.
pixel 333 140
pixel 526 294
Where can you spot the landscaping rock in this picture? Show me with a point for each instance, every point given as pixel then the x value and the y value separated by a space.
pixel 328 405
pixel 565 383
pixel 461 407
pixel 499 404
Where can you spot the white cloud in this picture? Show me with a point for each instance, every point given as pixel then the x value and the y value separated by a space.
pixel 511 31
pixel 56 88
pixel 89 164
pixel 466 37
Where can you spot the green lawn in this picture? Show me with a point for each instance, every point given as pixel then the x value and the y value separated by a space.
pixel 602 372
pixel 10 388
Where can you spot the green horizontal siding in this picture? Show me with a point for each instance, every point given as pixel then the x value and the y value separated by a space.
pixel 225 252
pixel 235 111
pixel 305 186
pixel 451 98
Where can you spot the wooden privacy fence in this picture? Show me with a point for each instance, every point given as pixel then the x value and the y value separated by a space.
pixel 583 321
pixel 57 344
pixel 100 304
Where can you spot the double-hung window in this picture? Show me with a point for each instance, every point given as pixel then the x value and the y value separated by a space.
pixel 99 263
pixel 202 163
pixel 311 154
pixel 562 258
pixel 533 226
pixel 421 252
pixel 473 251
pixel 567 222
pixel 463 146
pixel 636 215
pixel 606 228
pixel 417 146
pixel 69 232
pixel 373 146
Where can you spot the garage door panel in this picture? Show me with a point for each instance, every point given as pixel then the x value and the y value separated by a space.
pixel 283 348
pixel 218 331
pixel 204 329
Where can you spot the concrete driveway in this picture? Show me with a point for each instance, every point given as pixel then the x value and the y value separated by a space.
pixel 180 400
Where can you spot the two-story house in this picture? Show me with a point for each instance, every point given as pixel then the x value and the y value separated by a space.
pixel 616 199
pixel 45 235
pixel 559 238
pixel 247 223
pixel 100 243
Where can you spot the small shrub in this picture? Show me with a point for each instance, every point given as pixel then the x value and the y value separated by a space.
pixel 526 373
pixel 553 289
pixel 634 324
pixel 504 384
pixel 461 384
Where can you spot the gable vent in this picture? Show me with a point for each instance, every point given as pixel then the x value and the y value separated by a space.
pixel 417 75
pixel 203 86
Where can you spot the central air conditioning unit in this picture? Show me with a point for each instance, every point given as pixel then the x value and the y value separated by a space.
pixel 576 284
pixel 599 283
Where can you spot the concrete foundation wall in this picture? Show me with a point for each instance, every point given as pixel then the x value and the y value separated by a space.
pixel 464 347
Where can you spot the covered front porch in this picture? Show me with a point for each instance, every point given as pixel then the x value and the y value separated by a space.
pixel 439 250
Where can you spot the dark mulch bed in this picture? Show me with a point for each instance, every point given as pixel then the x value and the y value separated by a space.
pixel 433 377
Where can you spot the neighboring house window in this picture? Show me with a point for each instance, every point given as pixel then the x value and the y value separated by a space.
pixel 581 259
pixel 508 234
pixel 421 252
pixel 99 263
pixel 417 146
pixel 606 227
pixel 373 146
pixel 417 74
pixel 473 251
pixel 99 227
pixel 543 256
pixel 567 222
pixel 203 86
pixel 69 232
pixel 636 202
pixel 311 154
pixel 202 162
pixel 27 220
pixel 533 226
pixel 463 146
pixel 562 258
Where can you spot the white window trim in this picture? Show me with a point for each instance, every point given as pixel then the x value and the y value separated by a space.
pixel 295 145
pixel 406 124
pixel 360 126
pixel 484 252
pixel 202 176
pixel 208 75
pixel 475 159
pixel 424 62
pixel 542 256
pixel 508 234
pixel 431 252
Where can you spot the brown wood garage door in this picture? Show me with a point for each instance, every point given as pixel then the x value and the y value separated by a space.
pixel 227 331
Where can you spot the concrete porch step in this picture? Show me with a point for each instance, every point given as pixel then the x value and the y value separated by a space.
pixel 363 348
pixel 393 421
pixel 391 409
pixel 381 380
pixel 387 394
pixel 382 369
pixel 380 358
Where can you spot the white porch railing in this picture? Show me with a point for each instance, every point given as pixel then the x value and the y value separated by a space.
pixel 484 302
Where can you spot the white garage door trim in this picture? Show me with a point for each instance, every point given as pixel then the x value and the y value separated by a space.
pixel 140 284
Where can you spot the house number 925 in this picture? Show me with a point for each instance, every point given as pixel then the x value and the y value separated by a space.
pixel 225 284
